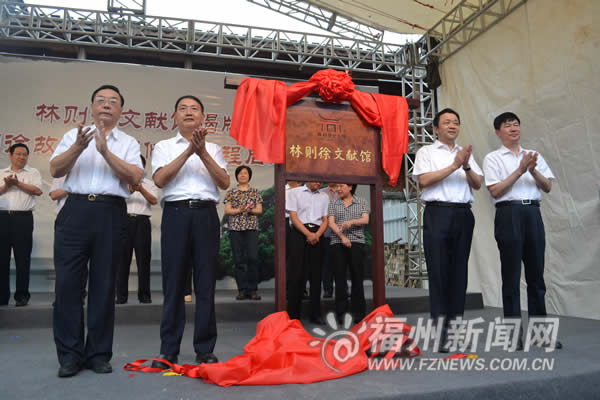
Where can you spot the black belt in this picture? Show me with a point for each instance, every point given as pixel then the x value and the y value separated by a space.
pixel 190 203
pixel 15 212
pixel 535 203
pixel 103 198
pixel 138 216
pixel 447 204
pixel 312 227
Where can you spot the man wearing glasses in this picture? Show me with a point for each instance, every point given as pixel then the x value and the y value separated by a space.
pixel 99 162
pixel 190 172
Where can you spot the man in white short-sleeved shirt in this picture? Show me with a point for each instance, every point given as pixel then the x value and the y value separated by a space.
pixel 19 185
pixel 447 174
pixel 307 206
pixel 190 172
pixel 99 161
pixel 515 178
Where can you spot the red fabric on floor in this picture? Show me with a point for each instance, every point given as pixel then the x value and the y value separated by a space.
pixel 283 352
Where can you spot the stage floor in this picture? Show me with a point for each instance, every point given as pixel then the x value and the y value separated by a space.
pixel 30 366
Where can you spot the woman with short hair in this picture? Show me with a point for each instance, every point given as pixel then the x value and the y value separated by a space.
pixel 243 205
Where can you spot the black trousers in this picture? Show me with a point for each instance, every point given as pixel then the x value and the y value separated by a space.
pixel 305 260
pixel 447 235
pixel 16 235
pixel 352 259
pixel 244 246
pixel 189 236
pixel 139 238
pixel 520 235
pixel 327 267
pixel 188 281
pixel 86 231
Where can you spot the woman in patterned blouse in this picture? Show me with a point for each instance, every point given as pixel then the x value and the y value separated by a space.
pixel 243 205
pixel 348 215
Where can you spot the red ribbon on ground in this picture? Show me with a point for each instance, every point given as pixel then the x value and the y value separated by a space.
pixel 259 115
pixel 284 352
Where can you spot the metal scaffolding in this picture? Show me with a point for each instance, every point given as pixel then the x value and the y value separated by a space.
pixel 463 24
pixel 420 134
pixel 127 6
pixel 78 27
pixel 322 18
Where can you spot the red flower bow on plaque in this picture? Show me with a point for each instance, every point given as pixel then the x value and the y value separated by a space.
pixel 333 86
pixel 259 113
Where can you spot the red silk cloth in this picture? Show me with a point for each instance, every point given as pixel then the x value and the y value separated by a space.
pixel 281 352
pixel 259 114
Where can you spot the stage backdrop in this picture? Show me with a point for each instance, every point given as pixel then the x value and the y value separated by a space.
pixel 541 62
pixel 42 99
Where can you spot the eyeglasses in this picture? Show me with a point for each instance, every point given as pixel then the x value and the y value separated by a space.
pixel 113 101
pixel 191 108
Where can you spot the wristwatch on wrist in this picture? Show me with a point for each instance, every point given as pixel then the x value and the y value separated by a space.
pixel 467 169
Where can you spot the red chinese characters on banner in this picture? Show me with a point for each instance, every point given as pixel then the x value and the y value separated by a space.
pixel 251 160
pixel 47 112
pixel 128 118
pixel 174 124
pixel 72 115
pixel 44 144
pixel 132 119
pixel 211 123
pixel 155 121
pixel 10 139
pixel 148 149
pixel 226 123
pixel 233 156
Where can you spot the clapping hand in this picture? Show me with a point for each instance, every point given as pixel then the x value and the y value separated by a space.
pixel 11 180
pixel 533 163
pixel 199 140
pixel 84 136
pixel 468 151
pixel 462 157
pixel 528 162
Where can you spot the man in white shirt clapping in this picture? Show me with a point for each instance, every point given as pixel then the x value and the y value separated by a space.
pixel 99 162
pixel 19 185
pixel 447 173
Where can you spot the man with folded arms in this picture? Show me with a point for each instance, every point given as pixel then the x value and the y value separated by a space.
pixel 514 177
pixel 447 173
pixel 19 184
pixel 190 172
pixel 99 161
